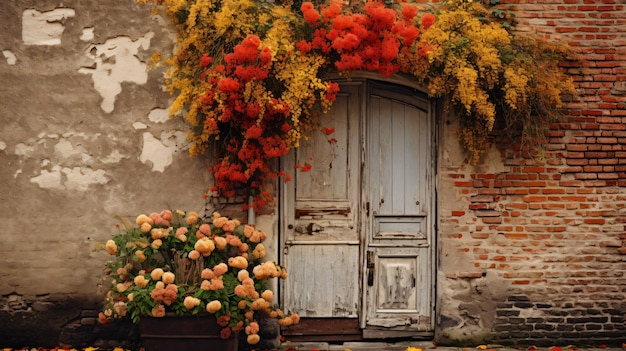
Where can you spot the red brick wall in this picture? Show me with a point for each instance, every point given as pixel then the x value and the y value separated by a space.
pixel 552 233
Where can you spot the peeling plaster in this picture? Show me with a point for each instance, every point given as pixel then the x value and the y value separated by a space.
pixel 80 178
pixel 65 178
pixel 42 135
pixel 49 179
pixel 114 157
pixel 115 62
pixel 159 115
pixel 71 164
pixel 66 151
pixel 493 162
pixel 139 125
pixel 11 58
pixel 160 153
pixel 44 28
pixel 24 150
pixel 87 34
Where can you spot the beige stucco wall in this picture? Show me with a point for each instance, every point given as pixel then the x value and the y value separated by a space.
pixel 84 136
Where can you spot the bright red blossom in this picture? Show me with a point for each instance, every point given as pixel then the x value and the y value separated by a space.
pixel 228 85
pixel 205 60
pixel 409 11
pixel 332 10
pixel 382 17
pixel 254 132
pixel 428 20
pixel 250 131
pixel 369 41
pixel 311 16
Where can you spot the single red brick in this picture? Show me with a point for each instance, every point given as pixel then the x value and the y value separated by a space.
pixel 534 198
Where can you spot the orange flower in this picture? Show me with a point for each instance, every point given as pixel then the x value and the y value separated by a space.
pixel 213 306
pixel 111 247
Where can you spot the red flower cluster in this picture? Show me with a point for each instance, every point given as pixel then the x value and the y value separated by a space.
pixel 251 132
pixel 251 128
pixel 368 41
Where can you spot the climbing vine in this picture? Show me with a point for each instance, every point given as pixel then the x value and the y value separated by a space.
pixel 250 75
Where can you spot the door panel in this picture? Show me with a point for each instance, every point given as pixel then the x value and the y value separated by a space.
pixel 326 284
pixel 328 179
pixel 398 259
pixel 321 227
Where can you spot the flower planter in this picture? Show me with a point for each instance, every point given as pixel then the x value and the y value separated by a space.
pixel 184 333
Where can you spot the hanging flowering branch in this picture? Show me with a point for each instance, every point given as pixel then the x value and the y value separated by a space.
pixel 493 77
pixel 249 75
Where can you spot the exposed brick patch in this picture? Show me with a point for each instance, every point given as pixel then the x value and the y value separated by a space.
pixel 556 321
pixel 557 224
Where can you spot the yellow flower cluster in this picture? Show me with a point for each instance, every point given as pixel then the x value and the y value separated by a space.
pixel 214 28
pixel 490 74
pixel 485 69
pixel 299 74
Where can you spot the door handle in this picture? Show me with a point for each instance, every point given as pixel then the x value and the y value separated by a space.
pixel 371 267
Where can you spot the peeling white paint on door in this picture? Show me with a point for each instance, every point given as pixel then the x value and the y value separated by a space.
pixel 116 62
pixel 44 28
pixel 10 56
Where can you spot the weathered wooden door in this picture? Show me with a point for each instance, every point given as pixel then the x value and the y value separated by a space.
pixel 357 227
pixel 398 221
pixel 321 224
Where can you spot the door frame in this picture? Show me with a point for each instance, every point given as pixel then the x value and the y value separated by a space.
pixel 363 80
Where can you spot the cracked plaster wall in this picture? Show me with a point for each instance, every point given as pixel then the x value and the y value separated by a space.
pixel 84 136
